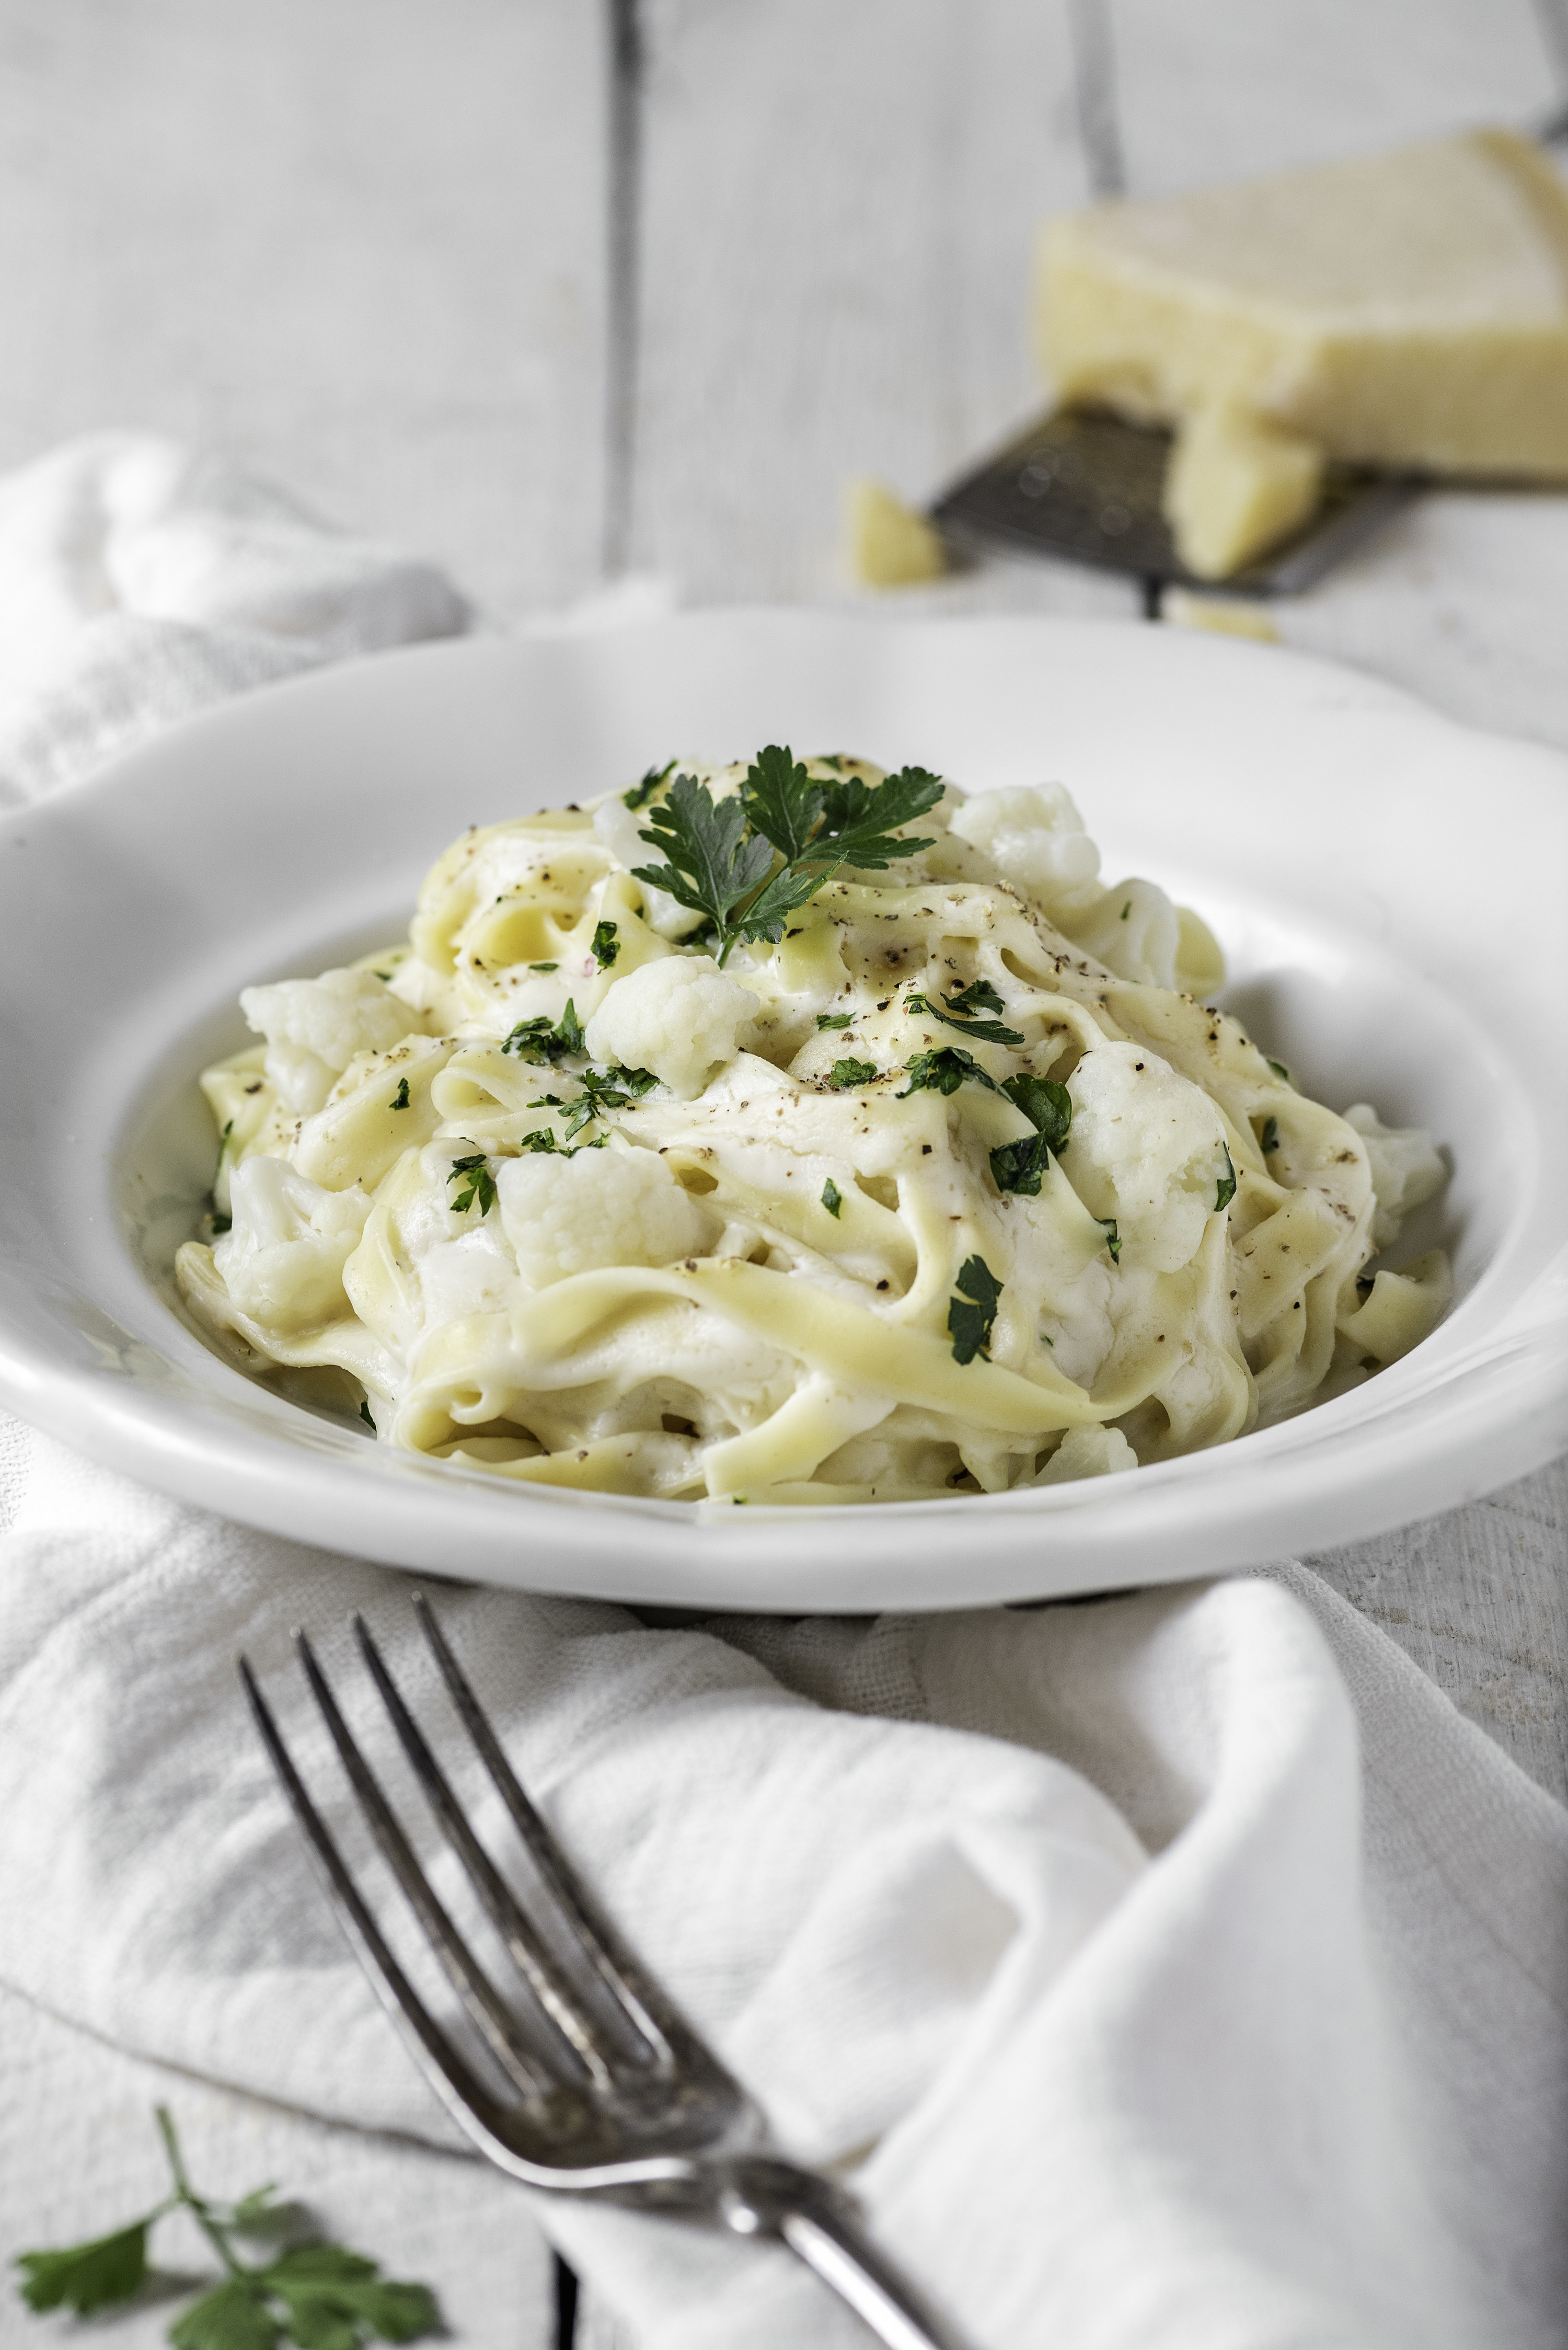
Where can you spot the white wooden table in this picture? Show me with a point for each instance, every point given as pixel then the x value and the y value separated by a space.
pixel 455 279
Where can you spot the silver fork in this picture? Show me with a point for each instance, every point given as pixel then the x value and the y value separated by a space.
pixel 585 2079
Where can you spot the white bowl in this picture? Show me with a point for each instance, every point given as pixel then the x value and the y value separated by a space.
pixel 1388 888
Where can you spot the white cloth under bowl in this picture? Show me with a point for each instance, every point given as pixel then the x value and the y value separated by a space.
pixel 1175 1972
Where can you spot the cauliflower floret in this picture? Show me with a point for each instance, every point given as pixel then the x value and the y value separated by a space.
pixel 565 1215
pixel 682 1017
pixel 621 829
pixel 1034 836
pixel 1135 930
pixel 471 1275
pixel 1146 1147
pixel 1088 1453
pixel 314 1027
pixel 282 1260
pixel 1406 1170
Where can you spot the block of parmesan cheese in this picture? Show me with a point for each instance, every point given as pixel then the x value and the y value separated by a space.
pixel 1405 309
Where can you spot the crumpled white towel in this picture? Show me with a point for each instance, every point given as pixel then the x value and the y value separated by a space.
pixel 1161 2032
pixel 140 581
pixel 1151 2020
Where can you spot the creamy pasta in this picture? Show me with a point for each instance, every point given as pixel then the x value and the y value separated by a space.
pixel 956 1183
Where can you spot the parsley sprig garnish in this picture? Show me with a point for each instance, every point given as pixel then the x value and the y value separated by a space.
pixel 973 1314
pixel 319 2297
pixel 749 861
pixel 961 1011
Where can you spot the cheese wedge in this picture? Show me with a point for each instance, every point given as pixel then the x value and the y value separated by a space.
pixel 1405 309
pixel 889 544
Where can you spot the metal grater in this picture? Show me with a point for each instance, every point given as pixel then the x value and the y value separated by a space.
pixel 1086 484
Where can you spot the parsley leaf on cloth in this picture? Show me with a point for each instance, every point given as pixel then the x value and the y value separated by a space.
pixel 85 2277
pixel 720 853
pixel 317 2296
pixel 973 1314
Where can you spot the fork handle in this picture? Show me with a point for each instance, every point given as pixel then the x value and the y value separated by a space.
pixel 763 2197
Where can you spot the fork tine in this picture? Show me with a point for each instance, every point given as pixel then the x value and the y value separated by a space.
pixel 451 2078
pixel 550 1985
pixel 525 2065
pixel 639 1999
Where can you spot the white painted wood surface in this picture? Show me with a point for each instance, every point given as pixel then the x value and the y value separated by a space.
pixel 361 243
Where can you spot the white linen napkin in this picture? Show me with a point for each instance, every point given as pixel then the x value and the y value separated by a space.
pixel 1175 1972
pixel 140 582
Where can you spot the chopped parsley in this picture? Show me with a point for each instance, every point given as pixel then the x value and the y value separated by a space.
pixel 1225 1189
pixel 1019 1166
pixel 222 1148
pixel 543 966
pixel 1047 1106
pixel 944 1071
pixel 1269 1138
pixel 1108 1224
pixel 222 1224
pixel 401 1099
pixel 845 1074
pixel 471 1180
pixel 542 1141
pixel 541 1039
pixel 1125 910
pixel 318 2296
pixel 640 794
pixel 977 997
pixel 1280 1071
pixel 835 1019
pixel 607 945
pixel 720 854
pixel 602 1090
pixel 832 1196
pixel 960 1013
pixel 973 1314
pixel 365 1415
